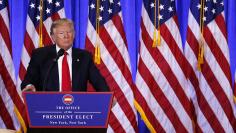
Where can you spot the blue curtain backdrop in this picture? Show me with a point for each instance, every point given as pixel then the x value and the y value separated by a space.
pixel 77 10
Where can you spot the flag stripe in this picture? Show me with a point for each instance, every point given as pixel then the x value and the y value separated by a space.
pixel 9 95
pixel 5 115
pixel 214 103
pixel 116 19
pixel 199 125
pixel 219 56
pixel 8 89
pixel 172 24
pixel 161 98
pixel 148 109
pixel 173 46
pixel 31 33
pixel 193 41
pixel 215 84
pixel 114 123
pixel 119 60
pixel 212 84
pixel 22 71
pixel 165 68
pixel 161 67
pixel 4 33
pixel 117 41
pixel 29 44
pixel 26 57
pixel 203 104
pixel 215 123
pixel 219 93
pixel 173 64
pixel 115 54
pixel 163 82
pixel 56 16
pixel 177 65
pixel 9 84
pixel 218 37
pixel 124 120
pixel 221 24
pixel 219 74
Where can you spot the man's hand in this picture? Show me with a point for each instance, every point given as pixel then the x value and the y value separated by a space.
pixel 29 87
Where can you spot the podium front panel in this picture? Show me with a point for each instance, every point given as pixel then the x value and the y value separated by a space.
pixel 68 110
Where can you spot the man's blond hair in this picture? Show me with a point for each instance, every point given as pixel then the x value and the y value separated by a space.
pixel 59 22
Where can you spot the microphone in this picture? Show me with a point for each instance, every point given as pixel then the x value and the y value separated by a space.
pixel 59 54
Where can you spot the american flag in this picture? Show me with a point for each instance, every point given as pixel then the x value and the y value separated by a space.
pixel 115 62
pixel 52 10
pixel 212 83
pixel 162 98
pixel 12 115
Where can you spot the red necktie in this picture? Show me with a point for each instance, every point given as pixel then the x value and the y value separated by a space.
pixel 66 82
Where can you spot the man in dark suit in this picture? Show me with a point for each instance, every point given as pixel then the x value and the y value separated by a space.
pixel 44 72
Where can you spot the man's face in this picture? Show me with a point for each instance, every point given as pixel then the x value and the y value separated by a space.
pixel 63 36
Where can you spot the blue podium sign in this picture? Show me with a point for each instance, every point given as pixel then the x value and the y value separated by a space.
pixel 68 109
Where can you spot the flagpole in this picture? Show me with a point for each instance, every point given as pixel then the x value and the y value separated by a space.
pixel 156 41
pixel 97 54
pixel 201 41
pixel 41 25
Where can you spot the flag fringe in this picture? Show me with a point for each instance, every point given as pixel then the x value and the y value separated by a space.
pixel 144 117
pixel 21 120
pixel 97 55
pixel 200 60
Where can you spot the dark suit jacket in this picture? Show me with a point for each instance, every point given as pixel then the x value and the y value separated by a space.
pixel 83 70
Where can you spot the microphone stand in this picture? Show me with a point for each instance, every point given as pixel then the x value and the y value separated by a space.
pixel 59 54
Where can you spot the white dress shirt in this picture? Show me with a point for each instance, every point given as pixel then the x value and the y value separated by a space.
pixel 59 62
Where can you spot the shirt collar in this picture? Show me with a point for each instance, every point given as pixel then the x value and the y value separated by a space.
pixel 69 51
